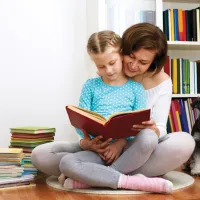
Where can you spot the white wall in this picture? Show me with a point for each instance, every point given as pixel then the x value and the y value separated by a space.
pixel 42 62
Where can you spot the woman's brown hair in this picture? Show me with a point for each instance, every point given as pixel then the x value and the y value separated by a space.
pixel 99 42
pixel 146 36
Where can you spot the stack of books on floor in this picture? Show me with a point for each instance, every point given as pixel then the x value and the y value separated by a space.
pixel 11 170
pixel 28 138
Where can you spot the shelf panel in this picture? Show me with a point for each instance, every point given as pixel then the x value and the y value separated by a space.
pixel 182 1
pixel 185 95
pixel 183 45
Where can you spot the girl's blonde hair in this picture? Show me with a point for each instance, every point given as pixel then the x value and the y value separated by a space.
pixel 99 42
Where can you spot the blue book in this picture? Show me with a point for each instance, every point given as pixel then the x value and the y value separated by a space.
pixel 183 117
pixel 176 35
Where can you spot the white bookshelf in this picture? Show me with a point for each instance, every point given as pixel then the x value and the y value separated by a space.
pixel 183 45
pixel 182 1
pixel 181 49
pixel 185 95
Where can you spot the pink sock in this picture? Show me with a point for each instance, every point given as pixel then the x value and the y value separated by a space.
pixel 71 184
pixel 138 182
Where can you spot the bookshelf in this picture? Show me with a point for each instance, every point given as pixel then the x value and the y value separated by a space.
pixel 181 116
pixel 180 49
pixel 181 45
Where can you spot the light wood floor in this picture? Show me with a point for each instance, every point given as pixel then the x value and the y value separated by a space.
pixel 43 192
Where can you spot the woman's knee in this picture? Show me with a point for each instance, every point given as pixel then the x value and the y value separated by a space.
pixel 37 157
pixel 186 146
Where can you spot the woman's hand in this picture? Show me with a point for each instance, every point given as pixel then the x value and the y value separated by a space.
pixel 147 124
pixel 96 144
pixel 113 151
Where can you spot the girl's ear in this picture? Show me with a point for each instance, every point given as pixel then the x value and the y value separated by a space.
pixel 98 73
pixel 122 57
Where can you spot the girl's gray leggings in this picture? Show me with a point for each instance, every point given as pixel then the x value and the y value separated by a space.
pixel 145 155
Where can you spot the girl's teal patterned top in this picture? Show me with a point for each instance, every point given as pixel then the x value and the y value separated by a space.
pixel 107 100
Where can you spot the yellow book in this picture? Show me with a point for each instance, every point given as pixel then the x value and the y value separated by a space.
pixel 172 23
pixel 11 150
pixel 171 123
pixel 180 24
pixel 179 121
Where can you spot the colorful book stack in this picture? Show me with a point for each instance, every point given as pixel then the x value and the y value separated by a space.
pixel 185 75
pixel 182 25
pixel 28 138
pixel 181 116
pixel 11 170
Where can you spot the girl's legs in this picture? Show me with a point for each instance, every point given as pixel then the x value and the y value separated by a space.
pixel 87 167
pixel 46 157
pixel 172 151
pixel 135 156
pixel 137 152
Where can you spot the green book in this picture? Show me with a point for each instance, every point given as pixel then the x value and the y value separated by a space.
pixel 33 130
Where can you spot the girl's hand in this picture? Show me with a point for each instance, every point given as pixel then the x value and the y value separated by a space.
pixel 147 124
pixel 96 144
pixel 113 151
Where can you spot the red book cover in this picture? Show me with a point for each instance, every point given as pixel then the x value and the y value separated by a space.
pixel 184 25
pixel 174 117
pixel 118 126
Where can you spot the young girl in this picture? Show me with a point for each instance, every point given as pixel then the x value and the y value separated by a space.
pixel 111 92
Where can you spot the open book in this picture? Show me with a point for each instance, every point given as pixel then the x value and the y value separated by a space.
pixel 118 125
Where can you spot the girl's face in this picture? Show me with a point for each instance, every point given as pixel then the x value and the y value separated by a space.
pixel 138 62
pixel 109 65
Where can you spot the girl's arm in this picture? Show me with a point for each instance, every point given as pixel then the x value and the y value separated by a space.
pixel 85 101
pixel 139 100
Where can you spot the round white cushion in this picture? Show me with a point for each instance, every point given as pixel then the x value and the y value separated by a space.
pixel 179 179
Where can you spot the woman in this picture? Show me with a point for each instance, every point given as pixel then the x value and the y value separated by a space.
pixel 152 152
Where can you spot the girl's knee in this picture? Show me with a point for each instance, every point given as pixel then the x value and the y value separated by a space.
pixel 149 140
pixel 67 164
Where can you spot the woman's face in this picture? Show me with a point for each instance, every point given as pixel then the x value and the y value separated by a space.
pixel 138 62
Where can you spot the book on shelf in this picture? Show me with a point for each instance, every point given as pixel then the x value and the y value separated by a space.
pixel 118 125
pixel 33 130
pixel 182 25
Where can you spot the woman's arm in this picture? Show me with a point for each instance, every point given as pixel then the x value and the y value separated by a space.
pixel 160 111
pixel 161 107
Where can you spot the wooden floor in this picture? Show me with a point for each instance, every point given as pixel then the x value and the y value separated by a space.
pixel 43 192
